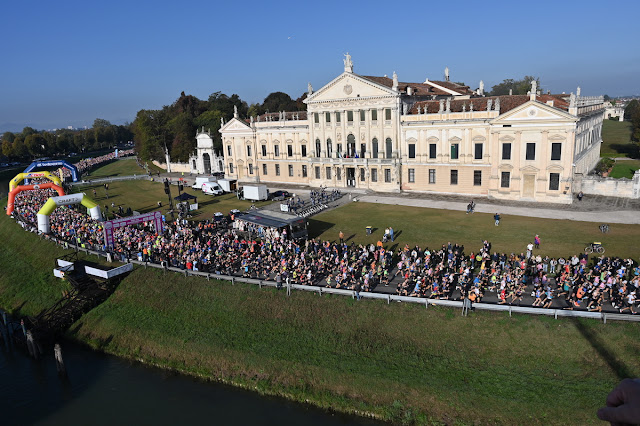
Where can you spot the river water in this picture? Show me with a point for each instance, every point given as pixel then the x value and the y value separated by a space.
pixel 105 390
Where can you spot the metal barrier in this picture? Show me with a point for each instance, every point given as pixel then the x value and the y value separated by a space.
pixel 603 316
pixel 110 179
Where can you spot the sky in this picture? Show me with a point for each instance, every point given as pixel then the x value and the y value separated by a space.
pixel 66 63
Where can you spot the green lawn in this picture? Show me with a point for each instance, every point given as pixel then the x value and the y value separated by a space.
pixel 124 167
pixel 616 140
pixel 625 169
pixel 399 362
pixel 432 228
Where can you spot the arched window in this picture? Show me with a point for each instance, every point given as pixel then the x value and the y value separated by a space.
pixel 329 147
pixel 318 147
pixel 206 159
pixel 374 148
pixel 351 146
pixel 389 146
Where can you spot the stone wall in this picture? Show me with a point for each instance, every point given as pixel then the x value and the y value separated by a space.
pixel 596 185
pixel 175 167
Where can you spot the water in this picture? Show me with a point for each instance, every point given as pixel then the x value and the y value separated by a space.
pixel 104 390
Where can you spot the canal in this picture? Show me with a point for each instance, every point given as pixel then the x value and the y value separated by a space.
pixel 104 390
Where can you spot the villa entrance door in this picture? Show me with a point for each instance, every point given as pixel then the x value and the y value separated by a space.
pixel 351 176
pixel 206 159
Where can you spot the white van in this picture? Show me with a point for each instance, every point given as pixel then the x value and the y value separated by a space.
pixel 201 181
pixel 211 188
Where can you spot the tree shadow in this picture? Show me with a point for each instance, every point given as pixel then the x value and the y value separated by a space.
pixel 631 149
pixel 74 331
pixel 103 343
pixel 620 369
pixel 15 312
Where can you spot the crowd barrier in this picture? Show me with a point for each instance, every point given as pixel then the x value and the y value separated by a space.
pixel 110 179
pixel 556 313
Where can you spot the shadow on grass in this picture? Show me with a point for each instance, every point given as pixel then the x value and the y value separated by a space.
pixel 631 149
pixel 620 369
pixel 74 331
pixel 15 312
pixel 318 227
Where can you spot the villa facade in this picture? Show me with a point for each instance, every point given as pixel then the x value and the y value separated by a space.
pixel 379 134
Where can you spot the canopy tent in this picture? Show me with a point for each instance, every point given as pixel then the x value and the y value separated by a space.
pixel 184 197
pixel 296 226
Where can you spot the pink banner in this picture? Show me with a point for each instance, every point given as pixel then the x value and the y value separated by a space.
pixel 110 225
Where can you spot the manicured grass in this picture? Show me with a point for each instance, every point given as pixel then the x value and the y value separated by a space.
pixel 27 284
pixel 432 228
pixel 625 169
pixel 123 167
pixel 616 140
pixel 143 196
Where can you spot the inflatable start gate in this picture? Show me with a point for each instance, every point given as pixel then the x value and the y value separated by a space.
pixel 22 176
pixel 54 163
pixel 53 202
pixel 18 189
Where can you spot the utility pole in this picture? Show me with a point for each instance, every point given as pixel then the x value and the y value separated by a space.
pixel 167 190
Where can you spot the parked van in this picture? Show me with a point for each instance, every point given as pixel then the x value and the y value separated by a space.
pixel 212 188
pixel 201 181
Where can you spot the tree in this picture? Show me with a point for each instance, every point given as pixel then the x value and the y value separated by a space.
pixel 36 144
pixel 183 131
pixel 19 148
pixel 27 131
pixel 210 120
pixel 150 134
pixel 630 109
pixel 8 136
pixel 519 87
pixel 7 148
pixel 279 101
pixel 100 123
pixel 223 103
pixel 632 114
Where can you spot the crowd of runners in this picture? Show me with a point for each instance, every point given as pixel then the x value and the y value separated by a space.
pixel 446 272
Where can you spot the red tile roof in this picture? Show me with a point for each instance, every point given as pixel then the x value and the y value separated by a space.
pixel 507 103
pixel 422 89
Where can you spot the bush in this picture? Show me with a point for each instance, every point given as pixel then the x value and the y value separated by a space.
pixel 604 165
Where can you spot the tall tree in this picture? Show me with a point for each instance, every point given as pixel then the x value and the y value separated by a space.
pixel 19 148
pixel 279 101
pixel 630 109
pixel 8 136
pixel 7 148
pixel 518 87
pixel 36 144
pixel 28 131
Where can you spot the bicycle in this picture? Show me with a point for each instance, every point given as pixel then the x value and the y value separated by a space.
pixel 594 247
pixel 604 228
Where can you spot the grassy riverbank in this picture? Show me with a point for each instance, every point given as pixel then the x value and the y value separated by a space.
pixel 398 362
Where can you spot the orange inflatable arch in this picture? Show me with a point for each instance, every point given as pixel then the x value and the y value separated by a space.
pixel 18 189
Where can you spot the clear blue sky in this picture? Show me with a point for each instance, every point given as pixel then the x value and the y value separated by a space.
pixel 69 62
